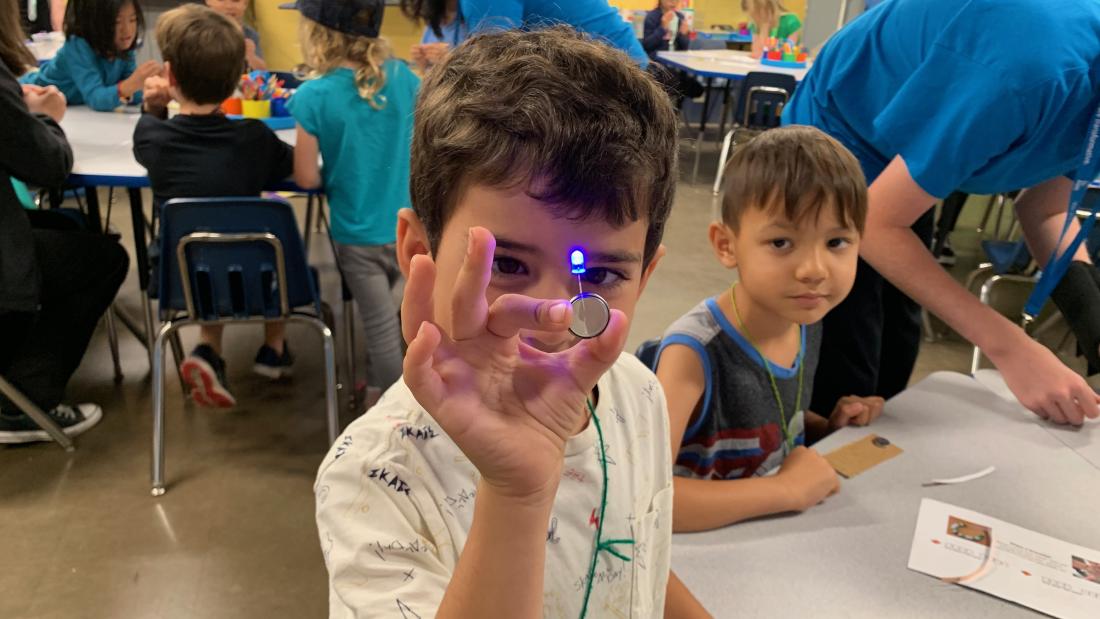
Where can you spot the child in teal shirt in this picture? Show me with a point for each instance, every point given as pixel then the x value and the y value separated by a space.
pixel 358 115
pixel 96 65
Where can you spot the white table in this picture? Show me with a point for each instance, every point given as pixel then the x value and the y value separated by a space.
pixel 723 64
pixel 712 64
pixel 848 556
pixel 103 156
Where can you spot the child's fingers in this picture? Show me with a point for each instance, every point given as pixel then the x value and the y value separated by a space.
pixel 419 367
pixel 469 309
pixel 592 357
pixel 511 313
pixel 417 304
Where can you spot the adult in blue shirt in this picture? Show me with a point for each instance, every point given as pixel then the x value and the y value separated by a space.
pixel 595 17
pixel 984 96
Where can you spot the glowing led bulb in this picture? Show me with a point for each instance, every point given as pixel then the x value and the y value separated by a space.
pixel 576 262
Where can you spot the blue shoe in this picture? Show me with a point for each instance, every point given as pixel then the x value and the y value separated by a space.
pixel 204 372
pixel 271 364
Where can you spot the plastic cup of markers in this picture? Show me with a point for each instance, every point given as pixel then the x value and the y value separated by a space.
pixel 775 55
pixel 788 57
pixel 278 107
pixel 232 105
pixel 801 57
pixel 256 109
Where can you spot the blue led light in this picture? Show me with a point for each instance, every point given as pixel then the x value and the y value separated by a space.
pixel 576 262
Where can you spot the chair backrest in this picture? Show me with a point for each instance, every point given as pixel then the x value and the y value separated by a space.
pixel 231 259
pixel 707 44
pixel 647 353
pixel 762 98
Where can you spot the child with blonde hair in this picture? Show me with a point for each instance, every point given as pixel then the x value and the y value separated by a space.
pixel 770 19
pixel 357 113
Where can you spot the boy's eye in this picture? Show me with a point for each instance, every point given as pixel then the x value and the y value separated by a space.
pixel 839 243
pixel 780 243
pixel 602 277
pixel 508 266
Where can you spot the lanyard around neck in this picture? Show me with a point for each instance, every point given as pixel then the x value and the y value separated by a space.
pixel 1057 266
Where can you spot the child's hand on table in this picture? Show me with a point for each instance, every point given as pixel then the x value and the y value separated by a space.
pixel 809 478
pixel 856 411
pixel 46 100
pixel 132 84
pixel 255 63
pixel 434 53
pixel 157 94
pixel 508 406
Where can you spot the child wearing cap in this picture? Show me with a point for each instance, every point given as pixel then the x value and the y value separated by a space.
pixel 357 113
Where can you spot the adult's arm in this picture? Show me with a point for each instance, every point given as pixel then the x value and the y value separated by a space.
pixel 1038 379
pixel 34 148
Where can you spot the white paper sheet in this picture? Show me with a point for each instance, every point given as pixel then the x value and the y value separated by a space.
pixel 1012 563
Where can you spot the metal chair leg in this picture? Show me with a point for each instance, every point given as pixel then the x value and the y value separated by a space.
pixel 150 333
pixel 308 228
pixel 177 357
pixel 31 410
pixel 349 351
pixel 726 143
pixel 331 413
pixel 112 340
pixel 165 332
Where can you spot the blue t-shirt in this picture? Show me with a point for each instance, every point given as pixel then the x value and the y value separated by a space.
pixel 595 17
pixel 365 150
pixel 454 33
pixel 984 96
pixel 85 77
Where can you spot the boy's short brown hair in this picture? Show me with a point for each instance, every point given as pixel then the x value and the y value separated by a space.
pixel 798 169
pixel 206 50
pixel 580 126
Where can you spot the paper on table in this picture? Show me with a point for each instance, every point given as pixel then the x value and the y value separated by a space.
pixel 962 479
pixel 1010 562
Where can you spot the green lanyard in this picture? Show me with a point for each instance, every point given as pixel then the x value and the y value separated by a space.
pixel 787 438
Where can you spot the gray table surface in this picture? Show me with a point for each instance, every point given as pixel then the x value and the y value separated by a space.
pixel 847 557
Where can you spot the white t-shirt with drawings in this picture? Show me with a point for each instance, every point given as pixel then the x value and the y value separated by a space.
pixel 395 500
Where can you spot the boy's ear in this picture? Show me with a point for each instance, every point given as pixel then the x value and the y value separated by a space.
pixel 411 239
pixel 660 253
pixel 724 244
pixel 170 75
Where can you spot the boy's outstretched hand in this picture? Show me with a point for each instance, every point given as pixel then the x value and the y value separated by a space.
pixel 855 411
pixel 507 405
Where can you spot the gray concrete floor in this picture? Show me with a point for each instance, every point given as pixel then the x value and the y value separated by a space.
pixel 234 536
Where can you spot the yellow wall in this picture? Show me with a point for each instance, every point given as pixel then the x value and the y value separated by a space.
pixel 278 30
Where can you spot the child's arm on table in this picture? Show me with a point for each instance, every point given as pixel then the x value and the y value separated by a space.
pixel 803 481
pixel 510 408
pixel 851 410
pixel 680 603
pixel 307 167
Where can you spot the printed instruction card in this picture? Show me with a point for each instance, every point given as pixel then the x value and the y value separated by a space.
pixel 977 551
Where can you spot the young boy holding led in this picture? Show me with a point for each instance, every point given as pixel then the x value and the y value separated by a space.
pixel 518 470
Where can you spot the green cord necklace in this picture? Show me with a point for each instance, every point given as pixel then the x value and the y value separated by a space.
pixel 600 544
pixel 787 438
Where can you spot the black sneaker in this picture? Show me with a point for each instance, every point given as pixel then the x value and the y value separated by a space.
pixel 73 420
pixel 204 372
pixel 271 364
